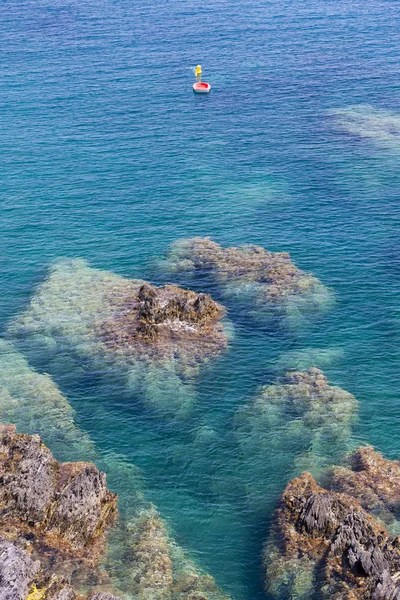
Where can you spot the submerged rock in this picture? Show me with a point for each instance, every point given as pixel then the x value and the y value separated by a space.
pixel 300 422
pixel 375 124
pixel 327 542
pixel 147 563
pixel 373 480
pixel 268 282
pixel 157 338
pixel 33 402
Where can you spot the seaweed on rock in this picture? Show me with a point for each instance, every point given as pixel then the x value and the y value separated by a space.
pixel 327 543
pixel 157 337
pixel 373 480
pixel 267 283
pixel 300 422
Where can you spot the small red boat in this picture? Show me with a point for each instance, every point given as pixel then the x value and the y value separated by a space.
pixel 201 87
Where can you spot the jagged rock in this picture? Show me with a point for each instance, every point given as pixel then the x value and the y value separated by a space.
pixel 28 477
pixel 61 510
pixel 70 499
pixel 84 507
pixel 17 571
pixel 372 479
pixel 346 553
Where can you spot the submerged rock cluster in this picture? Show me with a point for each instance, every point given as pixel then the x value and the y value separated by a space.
pixel 334 541
pixel 301 421
pixel 157 338
pixel 268 281
pixel 375 124
pixel 53 520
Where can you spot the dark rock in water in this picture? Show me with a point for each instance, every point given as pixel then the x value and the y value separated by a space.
pixel 17 571
pixel 340 548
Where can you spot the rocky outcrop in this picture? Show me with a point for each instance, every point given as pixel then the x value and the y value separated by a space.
pixel 161 321
pixel 302 420
pixel 68 502
pixel 53 517
pixel 372 479
pixel 268 280
pixel 156 338
pixel 326 541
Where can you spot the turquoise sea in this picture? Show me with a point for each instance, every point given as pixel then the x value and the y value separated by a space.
pixel 107 155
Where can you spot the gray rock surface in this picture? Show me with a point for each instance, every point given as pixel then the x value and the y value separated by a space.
pixel 17 571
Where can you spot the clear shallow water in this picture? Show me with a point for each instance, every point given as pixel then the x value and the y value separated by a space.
pixel 101 160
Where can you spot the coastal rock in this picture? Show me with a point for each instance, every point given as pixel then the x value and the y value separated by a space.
pixel 343 551
pixel 17 571
pixel 268 281
pixel 156 338
pixel 301 421
pixel 372 479
pixel 62 509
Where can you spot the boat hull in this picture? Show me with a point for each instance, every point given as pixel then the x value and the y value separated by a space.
pixel 201 87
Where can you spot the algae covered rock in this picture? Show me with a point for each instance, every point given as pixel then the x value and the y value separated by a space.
pixel 156 338
pixel 372 479
pixel 268 283
pixel 342 551
pixel 299 422
pixel 66 506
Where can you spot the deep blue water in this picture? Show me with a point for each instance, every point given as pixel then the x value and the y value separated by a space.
pixel 106 154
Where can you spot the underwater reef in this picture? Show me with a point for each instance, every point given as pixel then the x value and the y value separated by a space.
pixel 156 338
pixel 375 124
pixel 301 421
pixel 53 518
pixel 265 283
pixel 326 544
pixel 140 558
pixel 33 402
